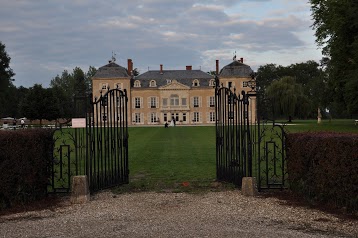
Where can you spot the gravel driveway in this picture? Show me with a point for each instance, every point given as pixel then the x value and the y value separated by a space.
pixel 214 214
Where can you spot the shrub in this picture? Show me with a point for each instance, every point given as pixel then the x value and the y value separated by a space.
pixel 324 167
pixel 24 159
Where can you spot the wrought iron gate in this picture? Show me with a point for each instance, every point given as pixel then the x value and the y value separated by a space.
pixel 97 146
pixel 247 144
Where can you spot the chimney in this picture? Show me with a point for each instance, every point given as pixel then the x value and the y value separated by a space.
pixel 130 67
pixel 242 60
pixel 161 69
pixel 217 67
pixel 188 67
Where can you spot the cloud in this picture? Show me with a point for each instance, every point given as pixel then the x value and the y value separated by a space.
pixel 45 37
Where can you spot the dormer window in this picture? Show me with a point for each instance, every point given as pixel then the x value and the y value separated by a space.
pixel 152 83
pixel 212 82
pixel 137 84
pixel 196 83
pixel 169 81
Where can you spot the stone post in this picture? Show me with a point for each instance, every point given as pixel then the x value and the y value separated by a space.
pixel 249 186
pixel 319 116
pixel 80 190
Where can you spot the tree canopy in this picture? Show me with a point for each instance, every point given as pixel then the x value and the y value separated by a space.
pixel 336 31
pixel 6 79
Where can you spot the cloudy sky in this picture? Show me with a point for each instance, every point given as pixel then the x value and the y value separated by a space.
pixel 43 38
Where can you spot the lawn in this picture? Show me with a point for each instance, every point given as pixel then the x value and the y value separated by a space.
pixel 174 158
pixel 338 125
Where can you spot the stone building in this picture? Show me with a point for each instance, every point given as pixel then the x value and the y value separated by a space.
pixel 186 96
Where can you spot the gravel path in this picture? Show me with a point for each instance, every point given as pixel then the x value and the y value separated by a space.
pixel 214 214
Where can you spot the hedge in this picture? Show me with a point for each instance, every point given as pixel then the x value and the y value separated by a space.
pixel 24 159
pixel 323 167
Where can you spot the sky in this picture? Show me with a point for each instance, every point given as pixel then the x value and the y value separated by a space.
pixel 44 38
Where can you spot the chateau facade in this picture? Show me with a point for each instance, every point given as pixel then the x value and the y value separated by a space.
pixel 161 96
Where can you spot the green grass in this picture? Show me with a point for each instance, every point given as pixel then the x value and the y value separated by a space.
pixel 163 159
pixel 337 125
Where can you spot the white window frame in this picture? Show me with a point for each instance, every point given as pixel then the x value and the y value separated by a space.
pixel 212 82
pixel 153 84
pixel 118 86
pixel 104 86
pixel 137 84
pixel 196 117
pixel 137 102
pixel 211 116
pixel 184 102
pixel 196 83
pixel 137 117
pixel 196 102
pixel 174 100
pixel 211 101
pixel 153 102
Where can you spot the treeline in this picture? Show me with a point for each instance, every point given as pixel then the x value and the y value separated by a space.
pixel 294 91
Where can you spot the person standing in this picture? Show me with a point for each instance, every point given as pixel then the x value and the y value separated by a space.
pixel 22 123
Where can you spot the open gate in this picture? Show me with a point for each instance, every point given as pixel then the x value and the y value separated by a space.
pixel 96 144
pixel 247 143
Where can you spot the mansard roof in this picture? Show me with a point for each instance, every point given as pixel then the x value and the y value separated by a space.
pixel 111 70
pixel 185 77
pixel 236 69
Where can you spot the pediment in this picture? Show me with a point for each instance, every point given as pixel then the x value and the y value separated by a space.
pixel 174 85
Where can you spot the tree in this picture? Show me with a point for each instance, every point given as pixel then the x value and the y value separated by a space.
pixel 336 31
pixel 287 97
pixel 6 75
pixel 70 85
pixel 40 103
pixel 309 75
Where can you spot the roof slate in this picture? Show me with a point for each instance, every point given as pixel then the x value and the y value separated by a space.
pixel 111 70
pixel 236 69
pixel 185 77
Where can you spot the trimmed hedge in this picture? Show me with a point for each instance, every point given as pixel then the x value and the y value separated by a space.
pixel 323 167
pixel 24 159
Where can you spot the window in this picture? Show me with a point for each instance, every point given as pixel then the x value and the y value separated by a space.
pixel 212 101
pixel 212 82
pixel 176 116
pixel 245 84
pixel 137 102
pixel 229 84
pixel 183 101
pixel 152 83
pixel 212 117
pixel 165 102
pixel 196 83
pixel 196 102
pixel 137 84
pixel 153 117
pixel 153 102
pixel 118 86
pixel 184 116
pixel 174 100
pixel 104 86
pixel 137 118
pixel 196 117
pixel 165 117
pixel 169 81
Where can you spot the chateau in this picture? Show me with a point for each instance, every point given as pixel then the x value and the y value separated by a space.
pixel 186 96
